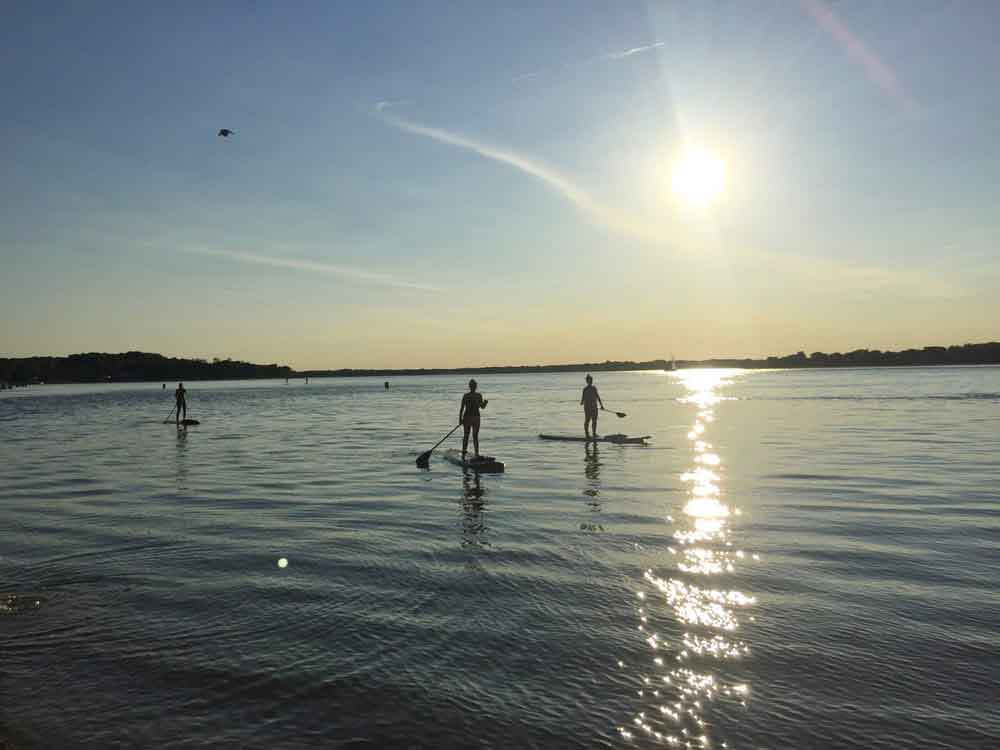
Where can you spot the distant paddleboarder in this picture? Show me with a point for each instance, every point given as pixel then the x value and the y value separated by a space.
pixel 590 401
pixel 180 397
pixel 468 416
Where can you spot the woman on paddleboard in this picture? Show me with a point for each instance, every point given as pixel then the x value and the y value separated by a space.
pixel 468 416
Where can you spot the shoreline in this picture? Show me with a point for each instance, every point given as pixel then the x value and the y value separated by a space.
pixel 144 367
pixel 338 374
pixel 637 367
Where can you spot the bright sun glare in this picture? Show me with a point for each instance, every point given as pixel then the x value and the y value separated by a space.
pixel 698 177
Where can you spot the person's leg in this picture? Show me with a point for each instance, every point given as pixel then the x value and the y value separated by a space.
pixel 177 414
pixel 184 406
pixel 465 438
pixel 475 436
pixel 594 428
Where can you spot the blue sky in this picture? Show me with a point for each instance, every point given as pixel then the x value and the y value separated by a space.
pixel 458 183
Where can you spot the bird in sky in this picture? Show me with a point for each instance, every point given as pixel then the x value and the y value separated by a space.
pixel 225 132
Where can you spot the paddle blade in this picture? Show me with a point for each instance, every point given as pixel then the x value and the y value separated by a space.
pixel 621 414
pixel 424 460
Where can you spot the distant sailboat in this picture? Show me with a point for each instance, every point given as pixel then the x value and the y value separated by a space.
pixel 673 364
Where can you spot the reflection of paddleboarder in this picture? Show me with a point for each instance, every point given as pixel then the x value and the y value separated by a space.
pixel 180 396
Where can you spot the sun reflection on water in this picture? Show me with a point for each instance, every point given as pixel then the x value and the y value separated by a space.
pixel 693 595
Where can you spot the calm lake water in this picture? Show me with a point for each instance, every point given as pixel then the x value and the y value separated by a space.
pixel 799 559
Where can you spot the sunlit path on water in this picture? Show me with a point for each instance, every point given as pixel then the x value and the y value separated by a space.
pixel 688 613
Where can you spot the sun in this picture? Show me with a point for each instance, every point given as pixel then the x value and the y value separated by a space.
pixel 699 177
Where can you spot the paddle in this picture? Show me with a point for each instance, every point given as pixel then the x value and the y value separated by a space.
pixel 165 421
pixel 423 460
pixel 619 414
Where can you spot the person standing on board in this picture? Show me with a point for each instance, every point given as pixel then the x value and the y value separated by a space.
pixel 180 397
pixel 468 416
pixel 590 400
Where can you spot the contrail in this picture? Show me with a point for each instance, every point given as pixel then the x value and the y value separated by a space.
pixel 621 55
pixel 565 187
pixel 630 52
pixel 313 266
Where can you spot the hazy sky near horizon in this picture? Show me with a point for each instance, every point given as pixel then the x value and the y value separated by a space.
pixel 446 184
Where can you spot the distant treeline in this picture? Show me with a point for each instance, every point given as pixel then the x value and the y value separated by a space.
pixel 657 364
pixel 967 354
pixel 140 366
pixel 130 366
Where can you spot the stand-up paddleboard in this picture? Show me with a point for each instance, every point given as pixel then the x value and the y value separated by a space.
pixel 481 464
pixel 188 422
pixel 618 439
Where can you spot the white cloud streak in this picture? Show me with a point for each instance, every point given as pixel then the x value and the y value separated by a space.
pixel 564 186
pixel 633 51
pixel 606 57
pixel 312 266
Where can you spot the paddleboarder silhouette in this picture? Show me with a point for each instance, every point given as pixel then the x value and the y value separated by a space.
pixel 180 397
pixel 590 399
pixel 468 416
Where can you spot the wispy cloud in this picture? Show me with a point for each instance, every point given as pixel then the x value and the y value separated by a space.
pixel 564 186
pixel 629 52
pixel 606 57
pixel 313 266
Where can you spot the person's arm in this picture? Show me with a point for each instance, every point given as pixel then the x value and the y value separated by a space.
pixel 461 410
pixel 483 402
pixel 582 396
pixel 599 399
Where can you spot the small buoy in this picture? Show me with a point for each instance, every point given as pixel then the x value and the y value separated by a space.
pixel 282 562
